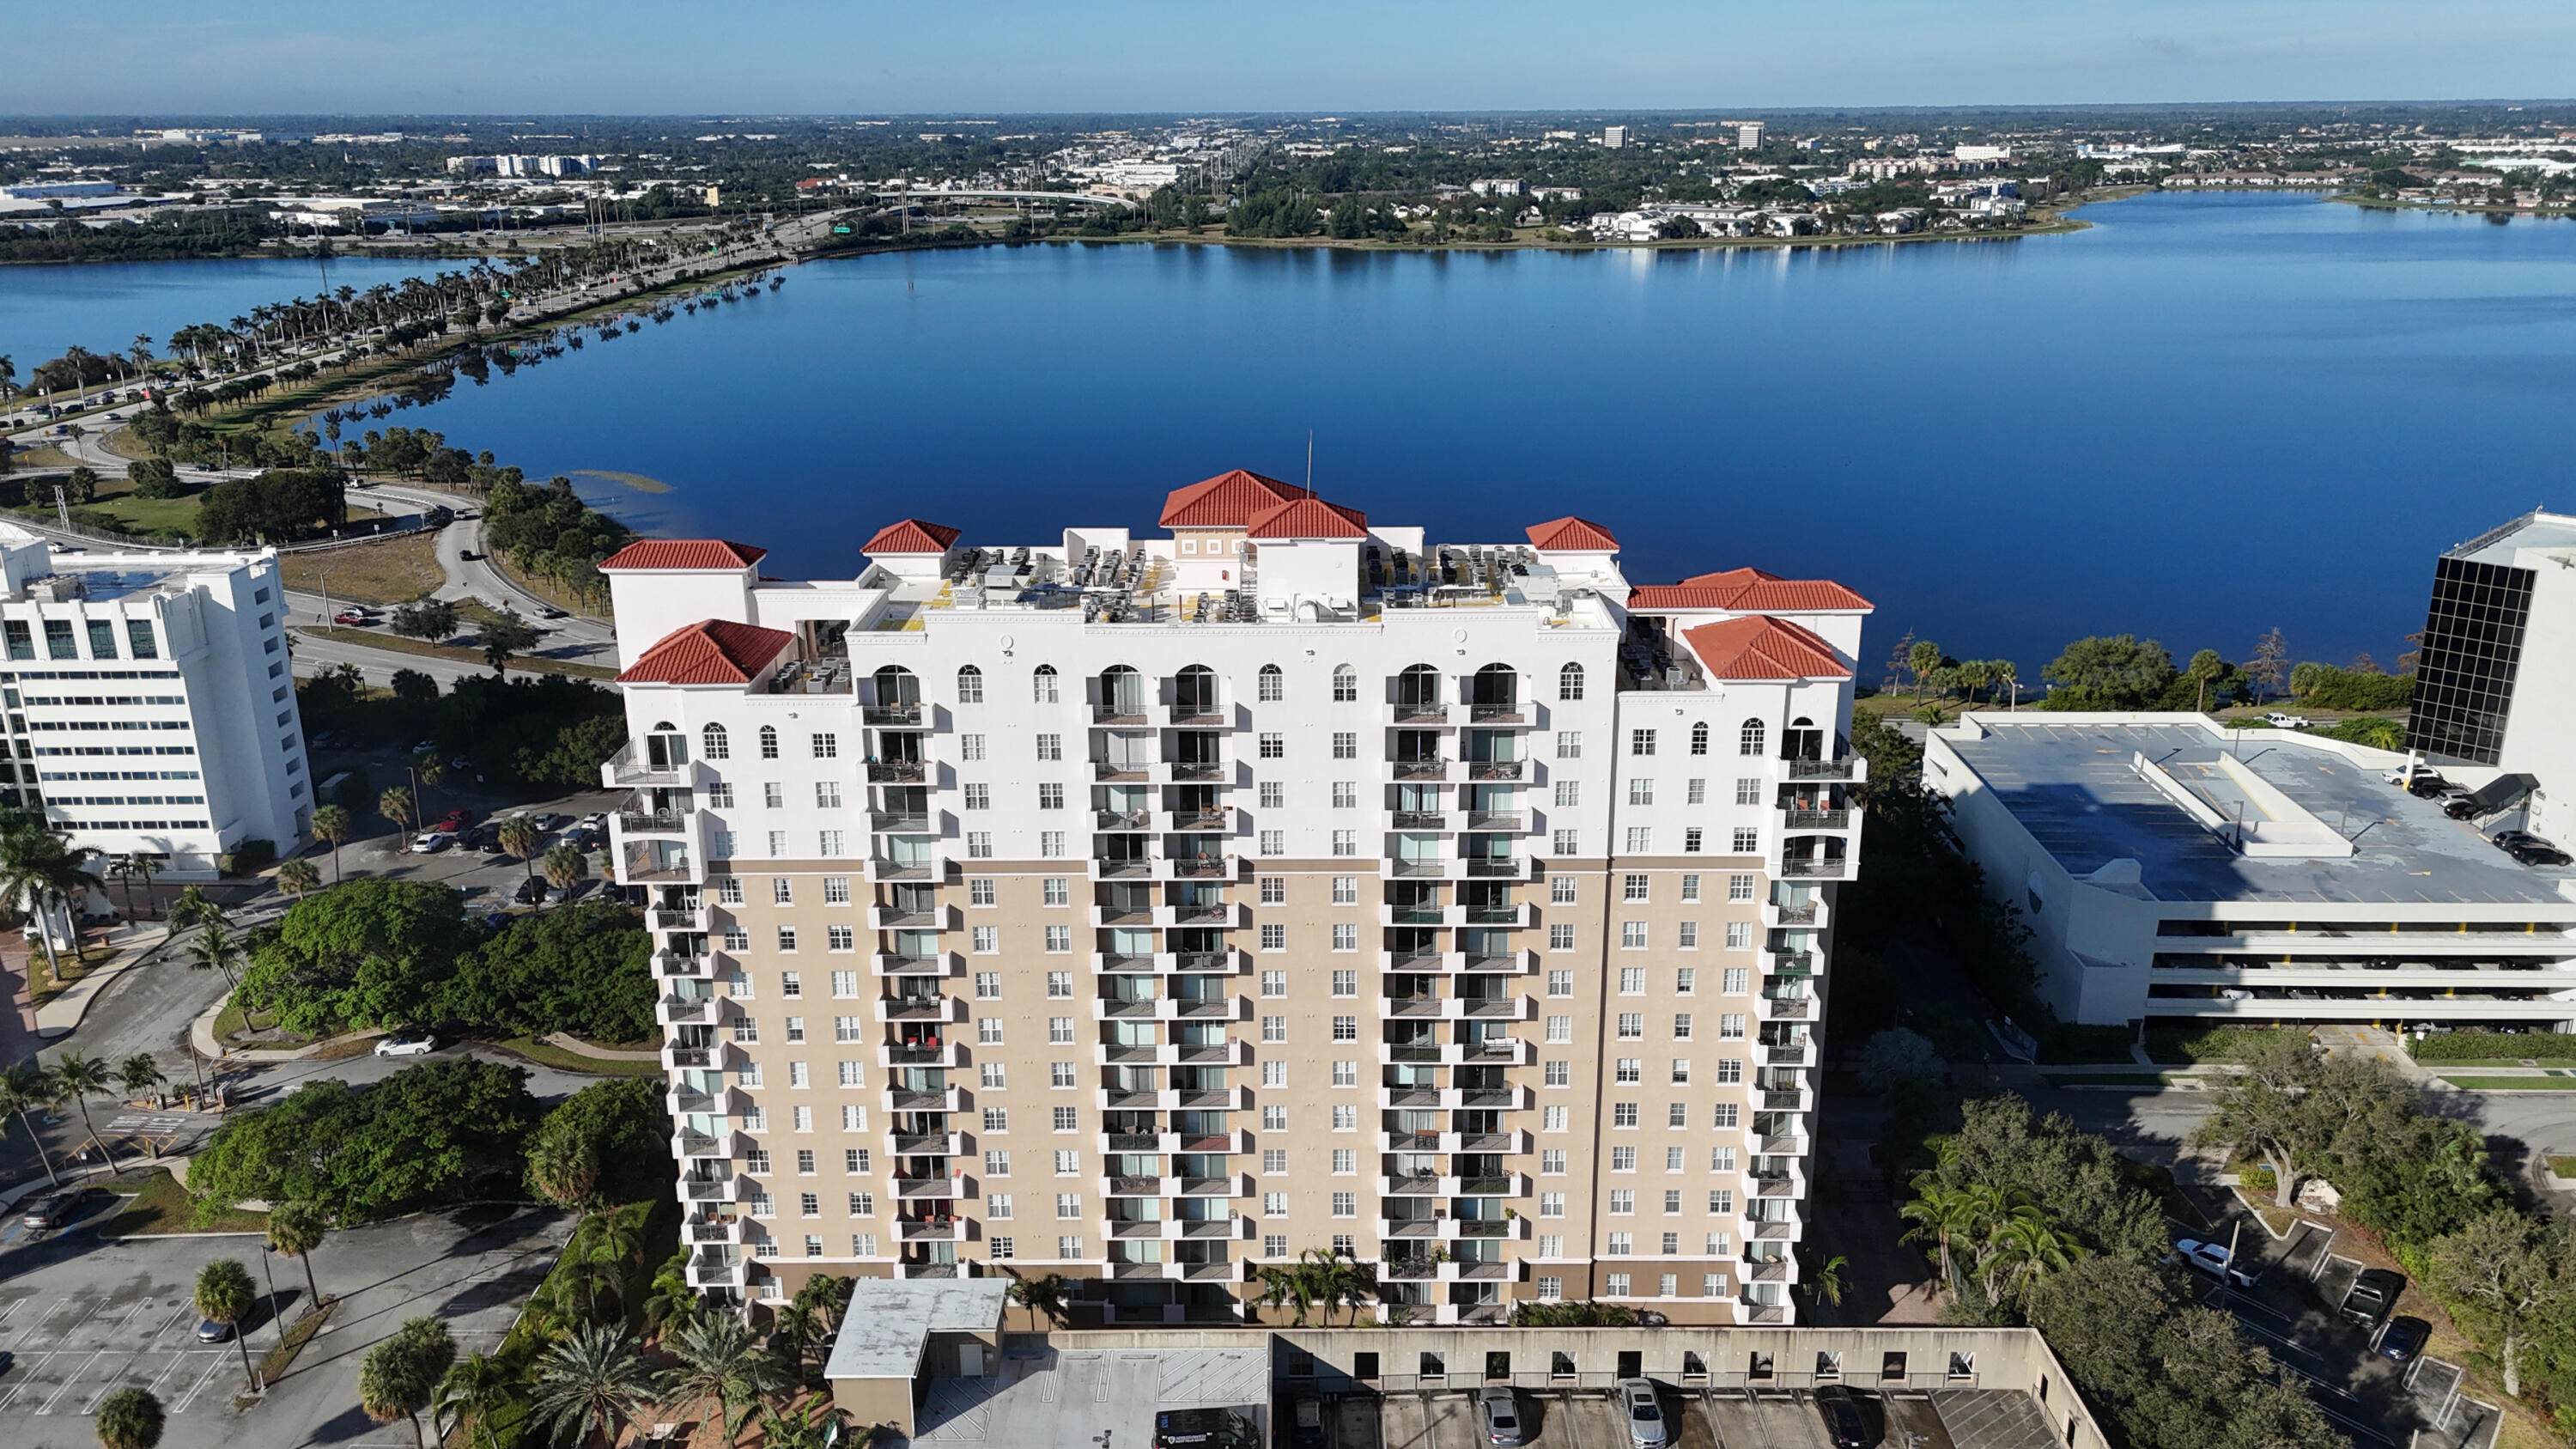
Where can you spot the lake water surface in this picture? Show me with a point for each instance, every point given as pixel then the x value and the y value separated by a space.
pixel 2204 417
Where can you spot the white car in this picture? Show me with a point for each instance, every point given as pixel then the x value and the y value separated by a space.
pixel 2280 721
pixel 1644 1413
pixel 2212 1259
pixel 431 842
pixel 406 1044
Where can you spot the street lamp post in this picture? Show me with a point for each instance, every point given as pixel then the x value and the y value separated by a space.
pixel 271 1274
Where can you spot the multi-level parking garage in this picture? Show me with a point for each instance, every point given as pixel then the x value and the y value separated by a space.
pixel 2170 868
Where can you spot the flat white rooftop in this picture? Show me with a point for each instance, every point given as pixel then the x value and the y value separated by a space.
pixel 890 1320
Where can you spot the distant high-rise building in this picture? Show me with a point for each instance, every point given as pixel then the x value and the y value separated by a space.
pixel 1614 137
pixel 2494 685
pixel 1748 135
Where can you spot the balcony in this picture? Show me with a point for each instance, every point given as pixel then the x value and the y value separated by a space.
pixel 1510 1184
pixel 1419 714
pixel 1841 767
pixel 1122 867
pixel 1208 963
pixel 1198 867
pixel 899 822
pixel 948 1054
pixel 1783 1185
pixel 1129 771
pixel 1116 965
pixel 1224 1008
pixel 1783 1144
pixel 1784 1008
pixel 1423 820
pixel 940 1144
pixel 921 869
pixel 716 1267
pixel 1497 867
pixel 1776 1229
pixel 1173 1099
pixel 1122 820
pixel 920 1008
pixel 672 964
pixel 683 920
pixel 1512 713
pixel 682 1101
pixel 946 963
pixel 1172 1229
pixel 1815 868
pixel 892 716
pixel 941 1188
pixel 1786 962
pixel 678 1057
pixel 1201 772
pixel 1453 1142
pixel 1496 769
pixel 928 1268
pixel 911 918
pixel 931 1230
pixel 1769 1270
pixel 1232 1052
pixel 1433 768
pixel 1508 822
pixel 1452 1228
pixel 687 1143
pixel 626 769
pixel 1105 913
pixel 925 1099
pixel 1760 1315
pixel 714 1230
pixel 1456 1008
pixel 898 772
pixel 683 1010
pixel 707 1189
pixel 1120 714
pixel 1452 1099
pixel 1223 819
pixel 1796 819
pixel 1217 915
pixel 1784 1054
pixel 1504 1052
pixel 1786 1099
pixel 1432 868
pixel 1810 914
pixel 1235 1141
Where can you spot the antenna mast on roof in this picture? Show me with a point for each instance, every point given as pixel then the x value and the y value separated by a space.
pixel 1310 460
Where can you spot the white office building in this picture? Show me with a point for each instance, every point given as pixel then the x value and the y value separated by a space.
pixel 150 706
pixel 1148 906
pixel 2170 868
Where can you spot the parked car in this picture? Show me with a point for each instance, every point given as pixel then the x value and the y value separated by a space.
pixel 2371 1296
pixel 54 1209
pixel 406 1044
pixel 1309 1416
pixel 530 891
pixel 431 842
pixel 1845 1424
pixel 2432 788
pixel 595 820
pixel 2403 1338
pixel 552 821
pixel 2508 839
pixel 1498 1413
pixel 2459 804
pixel 584 837
pixel 1644 1413
pixel 351 617
pixel 549 611
pixel 2213 1259
pixel 210 1330
pixel 2398 775
pixel 2280 721
pixel 485 838
pixel 456 819
pixel 425 747
pixel 2538 852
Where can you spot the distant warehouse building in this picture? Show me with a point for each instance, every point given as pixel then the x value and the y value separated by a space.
pixel 150 708
pixel 56 190
pixel 2169 868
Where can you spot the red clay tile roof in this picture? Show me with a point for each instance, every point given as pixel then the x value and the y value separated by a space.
pixel 711 651
pixel 1755 647
pixel 1747 590
pixel 1309 518
pixel 1570 532
pixel 912 536
pixel 1228 500
pixel 684 553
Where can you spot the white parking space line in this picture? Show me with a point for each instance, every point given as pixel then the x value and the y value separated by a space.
pixel 70 1381
pixel 22 1375
pixel 180 1405
pixel 178 1316
pixel 32 1324
pixel 177 1362
pixel 108 1382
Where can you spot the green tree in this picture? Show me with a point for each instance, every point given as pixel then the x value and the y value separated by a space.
pixel 2266 1112
pixel 720 1361
pixel 216 950
pixel 372 952
pixel 2501 1274
pixel 1921 658
pixel 565 867
pixel 79 1078
pixel 430 619
pixel 429 1133
pixel 224 1294
pixel 39 873
pixel 333 824
pixel 2110 672
pixel 505 637
pixel 130 1418
pixel 296 1229
pixel 397 805
pixel 815 1426
pixel 598 1146
pixel 478 1389
pixel 25 1090
pixel 520 836
pixel 139 1074
pixel 80 485
pixel 400 1376
pixel 2205 667
pixel 1044 1297
pixel 591 1385
pixel 298 878
pixel 154 478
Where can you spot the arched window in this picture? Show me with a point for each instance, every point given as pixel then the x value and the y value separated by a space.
pixel 713 745
pixel 1418 686
pixel 1346 684
pixel 1042 684
pixel 1699 738
pixel 769 742
pixel 970 685
pixel 1748 741
pixel 1122 691
pixel 1495 684
pixel 896 687
pixel 1274 685
pixel 1194 692
pixel 665 748
pixel 1569 683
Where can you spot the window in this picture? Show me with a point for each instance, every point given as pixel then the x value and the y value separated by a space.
pixel 1681 1032
pixel 1558 1074
pixel 1274 1074
pixel 1739 887
pixel 1623 1202
pixel 1551 1119
pixel 970 747
pixel 1274 1119
pixel 1748 840
pixel 1569 794
pixel 1748 739
pixel 1050 747
pixel 1560 1028
pixel 1627 1071
pixel 1569 684
pixel 1641 742
pixel 986 940
pixel 827 746
pixel 1272 795
pixel 970 685
pixel 1274 1205
pixel 827 794
pixel 1688 938
pixel 712 743
pixel 1346 890
pixel 1620 1245
pixel 997 1119
pixel 1346 1074
pixel 1675 1160
pixel 1274 1029
pixel 979 797
pixel 836 890
pixel 1274 1245
pixel 1059 985
pixel 768 742
pixel 988 1032
pixel 843 938
pixel 1696 792
pixel 1748 792
pixel 1735 980
pixel 1632 935
pixel 1274 984
pixel 1569 744
pixel 1560 891
pixel 1059 939
pixel 1346 842
pixel 1274 842
pixel 1730 1070
pixel 988 985
pixel 1050 796
pixel 791 984
pixel 1641 790
pixel 1699 738
pixel 1551 1204
pixel 787 938
pixel 1677 1114
pixel 720 797
pixel 1560 937
pixel 1068 1164
pixel 1051 844
pixel 1726 1117
pixel 1346 1028
pixel 1270 685
pixel 1561 842
pixel 1560 983
pixel 1640 839
pixel 1739 935
pixel 1692 839
pixel 1632 981
pixel 1551 1162
pixel 1060 1030
pixel 1272 745
pixel 1274 938
pixel 138 638
pixel 773 796
pixel 1346 795
pixel 1346 684
pixel 979 845
pixel 1623 1114
pixel 1060 1075
pixel 1730 1026
pixel 1067 1119
pixel 1274 890
pixel 1042 684
pixel 1056 890
pixel 997 1207
pixel 1346 745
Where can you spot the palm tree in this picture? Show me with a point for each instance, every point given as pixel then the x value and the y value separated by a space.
pixel 139 1074
pixel 79 1078
pixel 25 1088
pixel 671 1304
pixel 591 1383
pixel 565 867
pixel 478 1387
pixel 1042 1297
pixel 192 909
pixel 296 1229
pixel 129 1419
pixel 1940 1213
pixel 721 1360
pixel 298 878
pixel 401 1375
pixel 38 870
pixel 564 1169
pixel 520 836
pixel 2024 1246
pixel 141 865
pixel 224 1295
pixel 1825 1280
pixel 217 949
pixel 792 1330
pixel 812 1427
pixel 397 806
pixel 1344 1280
pixel 333 824
pixel 1285 1283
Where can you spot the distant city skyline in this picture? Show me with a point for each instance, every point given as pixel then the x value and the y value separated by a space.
pixel 266 57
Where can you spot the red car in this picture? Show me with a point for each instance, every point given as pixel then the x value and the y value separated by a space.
pixel 351 616
pixel 455 820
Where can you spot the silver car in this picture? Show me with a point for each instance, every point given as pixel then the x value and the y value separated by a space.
pixel 1498 1414
pixel 1644 1413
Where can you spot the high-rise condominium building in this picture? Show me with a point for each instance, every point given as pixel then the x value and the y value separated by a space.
pixel 2496 684
pixel 149 707
pixel 1147 909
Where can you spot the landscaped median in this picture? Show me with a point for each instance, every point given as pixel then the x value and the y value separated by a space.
pixel 380 639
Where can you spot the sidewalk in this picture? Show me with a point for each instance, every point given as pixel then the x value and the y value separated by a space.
pixel 578 1047
pixel 201 1035
pixel 135 944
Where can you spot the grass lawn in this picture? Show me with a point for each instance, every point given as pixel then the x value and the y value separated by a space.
pixel 145 516
pixel 298 1334
pixel 391 571
pixel 2511 1084
pixel 382 639
pixel 2563 1166
pixel 163 1206
pixel 554 1056
pixel 40 455
pixel 547 589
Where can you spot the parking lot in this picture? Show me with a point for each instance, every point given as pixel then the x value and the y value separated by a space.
pixel 1696 1419
pixel 81 1317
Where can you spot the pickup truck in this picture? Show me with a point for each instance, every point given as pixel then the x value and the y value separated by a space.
pixel 2280 721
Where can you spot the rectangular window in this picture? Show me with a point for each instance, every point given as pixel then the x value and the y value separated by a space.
pixel 1346 890
pixel 102 637
pixel 1632 981
pixel 138 639
pixel 1274 842
pixel 979 844
pixel 1691 839
pixel 1641 742
pixel 1050 747
pixel 988 985
pixel 1561 842
pixel 1059 939
pixel 1272 745
pixel 1739 887
pixel 1641 839
pixel 1051 845
pixel 1346 795
pixel 1560 1029
pixel 1346 745
pixel 1050 796
pixel 1274 890
pixel 1560 938
pixel 1274 938
pixel 1641 790
pixel 843 938
pixel 827 746
pixel 1739 935
pixel 836 890
pixel 1687 936
pixel 1748 840
pixel 1681 1026
pixel 1274 1030
pixel 1632 935
pixel 1560 983
pixel 786 938
pixel 1735 980
pixel 1569 744
pixel 1056 890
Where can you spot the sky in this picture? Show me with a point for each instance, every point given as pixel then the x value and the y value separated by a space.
pixel 627 57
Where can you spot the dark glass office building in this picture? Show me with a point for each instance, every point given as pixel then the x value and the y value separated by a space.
pixel 2472 648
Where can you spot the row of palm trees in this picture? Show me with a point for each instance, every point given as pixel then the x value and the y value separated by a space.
pixel 1982 1235
pixel 28 1088
pixel 1316 1279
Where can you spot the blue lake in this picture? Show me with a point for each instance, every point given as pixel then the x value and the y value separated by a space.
pixel 2204 417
